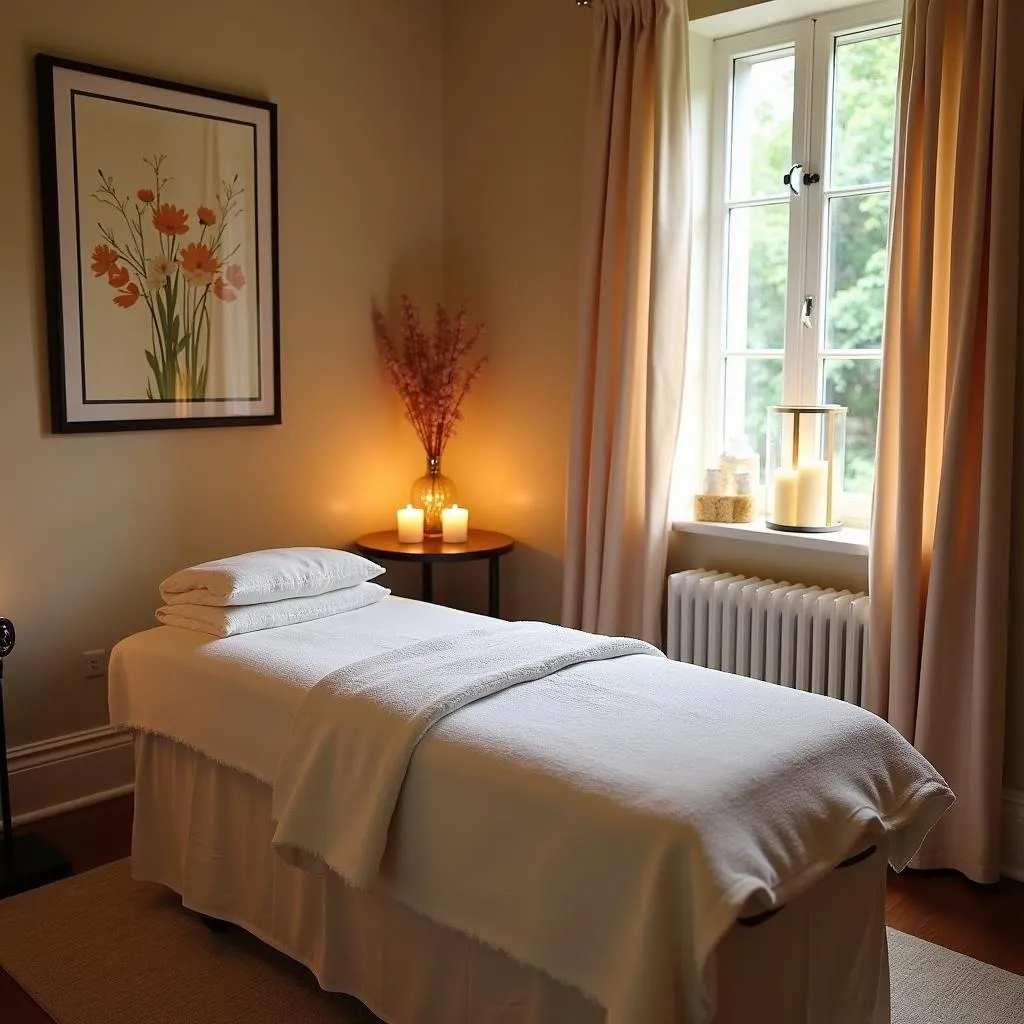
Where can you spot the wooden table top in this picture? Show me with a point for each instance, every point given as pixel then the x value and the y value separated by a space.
pixel 480 544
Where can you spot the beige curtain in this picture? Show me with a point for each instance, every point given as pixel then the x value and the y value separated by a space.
pixel 940 538
pixel 629 370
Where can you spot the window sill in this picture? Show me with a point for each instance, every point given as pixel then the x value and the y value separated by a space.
pixel 847 541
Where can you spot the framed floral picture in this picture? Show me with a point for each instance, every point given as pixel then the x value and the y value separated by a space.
pixel 159 206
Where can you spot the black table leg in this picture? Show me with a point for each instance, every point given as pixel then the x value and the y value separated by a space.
pixel 428 582
pixel 494 590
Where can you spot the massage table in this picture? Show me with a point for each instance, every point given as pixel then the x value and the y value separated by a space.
pixel 212 720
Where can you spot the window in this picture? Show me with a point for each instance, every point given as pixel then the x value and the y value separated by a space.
pixel 797 273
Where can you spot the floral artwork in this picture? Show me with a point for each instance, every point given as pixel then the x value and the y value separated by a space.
pixel 144 258
pixel 432 372
pixel 159 214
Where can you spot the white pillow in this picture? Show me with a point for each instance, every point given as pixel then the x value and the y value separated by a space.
pixel 223 622
pixel 273 575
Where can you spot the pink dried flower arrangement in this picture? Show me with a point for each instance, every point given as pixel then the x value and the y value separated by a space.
pixel 431 372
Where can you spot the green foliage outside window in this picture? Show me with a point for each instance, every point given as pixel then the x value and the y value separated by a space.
pixel 864 94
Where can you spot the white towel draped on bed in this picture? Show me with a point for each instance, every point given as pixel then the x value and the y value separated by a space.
pixel 351 741
pixel 607 822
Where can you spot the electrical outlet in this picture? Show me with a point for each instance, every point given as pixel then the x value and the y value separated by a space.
pixel 94 664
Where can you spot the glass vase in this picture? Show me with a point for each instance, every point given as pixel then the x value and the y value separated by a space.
pixel 433 492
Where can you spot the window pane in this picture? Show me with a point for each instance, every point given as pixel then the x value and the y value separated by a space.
pixel 864 110
pixel 762 125
pixel 757 255
pixel 751 385
pixel 858 233
pixel 855 383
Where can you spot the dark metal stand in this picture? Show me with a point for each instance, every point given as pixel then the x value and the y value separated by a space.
pixel 493 586
pixel 26 861
pixel 480 545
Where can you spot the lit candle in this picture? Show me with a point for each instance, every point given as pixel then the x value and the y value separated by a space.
pixel 410 525
pixel 787 489
pixel 812 496
pixel 454 525
pixel 801 495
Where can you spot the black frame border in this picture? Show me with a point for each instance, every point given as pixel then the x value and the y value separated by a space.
pixel 44 68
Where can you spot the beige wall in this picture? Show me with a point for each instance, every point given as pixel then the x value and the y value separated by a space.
pixel 769 561
pixel 515 83
pixel 91 523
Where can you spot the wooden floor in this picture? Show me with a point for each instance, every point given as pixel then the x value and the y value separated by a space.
pixel 985 922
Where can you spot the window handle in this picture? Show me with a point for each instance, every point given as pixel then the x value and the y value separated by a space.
pixel 794 180
pixel 806 309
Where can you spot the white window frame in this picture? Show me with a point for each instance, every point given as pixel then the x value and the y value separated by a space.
pixel 812 41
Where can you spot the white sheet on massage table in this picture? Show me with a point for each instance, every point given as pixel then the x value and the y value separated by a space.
pixel 204 831
pixel 233 699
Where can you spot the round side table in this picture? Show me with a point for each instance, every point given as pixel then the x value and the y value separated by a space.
pixel 479 545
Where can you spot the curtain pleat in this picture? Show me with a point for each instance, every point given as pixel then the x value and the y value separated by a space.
pixel 634 294
pixel 941 527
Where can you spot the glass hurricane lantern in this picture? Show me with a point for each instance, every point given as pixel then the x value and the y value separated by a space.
pixel 804 473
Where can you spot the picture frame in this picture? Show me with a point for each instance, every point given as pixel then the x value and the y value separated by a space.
pixel 159 216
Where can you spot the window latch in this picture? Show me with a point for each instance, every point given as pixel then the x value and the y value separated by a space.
pixel 795 180
pixel 806 309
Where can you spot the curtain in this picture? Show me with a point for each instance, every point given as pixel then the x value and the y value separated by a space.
pixel 634 295
pixel 940 535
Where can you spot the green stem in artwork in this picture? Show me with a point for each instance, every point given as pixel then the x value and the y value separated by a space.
pixel 203 376
pixel 197 315
pixel 142 237
pixel 153 356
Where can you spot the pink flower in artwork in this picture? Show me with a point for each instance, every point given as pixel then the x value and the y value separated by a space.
pixel 431 372
pixel 234 276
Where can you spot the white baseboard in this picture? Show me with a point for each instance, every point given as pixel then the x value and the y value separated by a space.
pixel 66 772
pixel 1013 833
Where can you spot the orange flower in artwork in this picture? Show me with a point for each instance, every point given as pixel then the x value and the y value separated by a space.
pixel 103 258
pixel 170 220
pixel 224 291
pixel 117 275
pixel 199 264
pixel 206 216
pixel 128 297
pixel 235 276
pixel 146 195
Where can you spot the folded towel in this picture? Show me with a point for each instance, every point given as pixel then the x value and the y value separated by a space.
pixel 355 732
pixel 222 622
pixel 272 575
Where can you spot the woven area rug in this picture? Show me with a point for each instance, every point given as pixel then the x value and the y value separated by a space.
pixel 100 948
pixel 934 985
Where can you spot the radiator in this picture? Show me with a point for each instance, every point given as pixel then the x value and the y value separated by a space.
pixel 809 638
